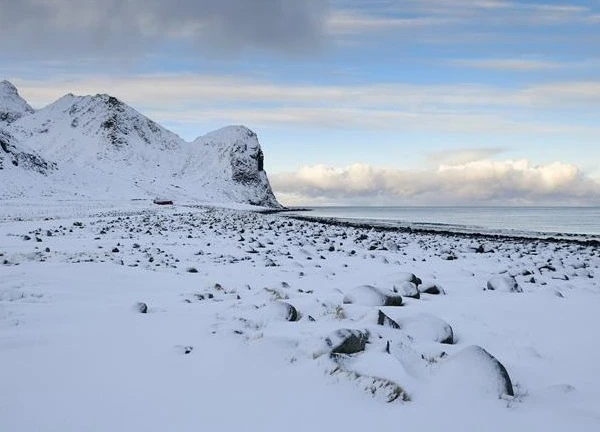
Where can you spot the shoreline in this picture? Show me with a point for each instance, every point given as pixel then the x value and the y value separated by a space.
pixel 381 226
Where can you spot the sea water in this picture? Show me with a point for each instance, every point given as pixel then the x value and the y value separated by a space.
pixel 507 220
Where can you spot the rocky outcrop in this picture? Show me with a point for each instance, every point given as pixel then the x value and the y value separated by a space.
pixel 10 155
pixel 238 164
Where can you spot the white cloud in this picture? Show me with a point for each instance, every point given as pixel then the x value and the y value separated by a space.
pixel 461 108
pixel 195 89
pixel 343 22
pixel 462 156
pixel 480 182
pixel 428 15
pixel 373 120
pixel 517 64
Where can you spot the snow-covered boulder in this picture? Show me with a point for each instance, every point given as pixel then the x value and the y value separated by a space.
pixel 476 372
pixel 504 283
pixel 282 310
pixel 427 327
pixel 368 295
pixel 399 277
pixel 407 289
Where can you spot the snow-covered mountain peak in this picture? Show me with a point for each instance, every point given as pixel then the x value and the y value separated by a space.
pixel 7 87
pixel 12 105
pixel 87 128
pixel 124 153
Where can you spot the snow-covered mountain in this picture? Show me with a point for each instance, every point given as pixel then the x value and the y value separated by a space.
pixel 99 147
pixel 12 106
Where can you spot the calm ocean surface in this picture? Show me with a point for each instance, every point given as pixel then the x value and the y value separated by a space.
pixel 509 220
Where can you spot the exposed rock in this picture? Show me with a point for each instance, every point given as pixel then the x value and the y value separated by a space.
pixel 187 349
pixel 431 288
pixel 448 256
pixel 386 321
pixel 368 295
pixel 11 155
pixel 142 307
pixel 290 313
pixel 346 341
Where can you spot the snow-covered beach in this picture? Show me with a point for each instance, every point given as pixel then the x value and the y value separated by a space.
pixel 130 316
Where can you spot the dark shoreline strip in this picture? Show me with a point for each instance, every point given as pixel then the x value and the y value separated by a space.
pixel 446 233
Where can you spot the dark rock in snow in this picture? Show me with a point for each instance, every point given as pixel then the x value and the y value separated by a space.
pixel 142 307
pixel 291 313
pixel 386 321
pixel 346 341
pixel 431 288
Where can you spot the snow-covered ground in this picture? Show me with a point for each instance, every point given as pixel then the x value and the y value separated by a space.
pixel 262 322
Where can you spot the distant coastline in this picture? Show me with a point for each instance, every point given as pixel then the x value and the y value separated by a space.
pixel 464 230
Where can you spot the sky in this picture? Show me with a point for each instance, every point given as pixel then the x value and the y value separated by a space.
pixel 366 102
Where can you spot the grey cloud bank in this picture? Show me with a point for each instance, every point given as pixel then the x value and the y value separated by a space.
pixel 61 28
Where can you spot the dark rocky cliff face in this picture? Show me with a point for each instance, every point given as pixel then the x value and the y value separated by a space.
pixel 247 169
pixel 10 155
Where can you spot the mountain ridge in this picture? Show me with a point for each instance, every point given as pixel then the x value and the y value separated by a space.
pixel 12 105
pixel 130 155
